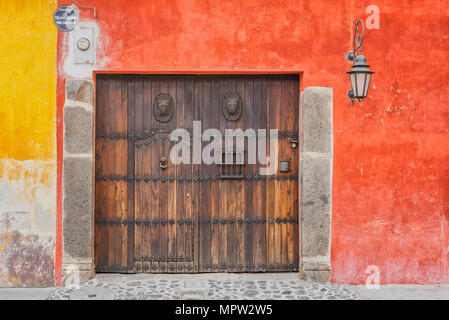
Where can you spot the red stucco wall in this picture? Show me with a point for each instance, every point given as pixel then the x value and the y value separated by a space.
pixel 391 152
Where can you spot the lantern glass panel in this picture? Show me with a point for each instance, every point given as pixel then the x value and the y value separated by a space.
pixel 352 77
pixel 361 77
pixel 367 82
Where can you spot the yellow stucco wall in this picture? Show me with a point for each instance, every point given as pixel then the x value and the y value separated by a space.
pixel 27 142
pixel 27 79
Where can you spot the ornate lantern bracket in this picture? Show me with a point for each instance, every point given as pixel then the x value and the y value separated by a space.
pixel 357 40
pixel 360 75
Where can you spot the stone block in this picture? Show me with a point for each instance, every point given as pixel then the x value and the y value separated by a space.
pixel 316 197
pixel 80 90
pixel 317 276
pixel 78 130
pixel 316 120
pixel 78 196
pixel 77 270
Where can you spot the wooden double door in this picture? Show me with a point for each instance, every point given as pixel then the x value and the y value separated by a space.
pixel 152 215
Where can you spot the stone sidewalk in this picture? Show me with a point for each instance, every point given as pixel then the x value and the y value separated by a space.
pixel 206 286
pixel 221 287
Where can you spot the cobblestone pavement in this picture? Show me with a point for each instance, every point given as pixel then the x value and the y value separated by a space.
pixel 204 286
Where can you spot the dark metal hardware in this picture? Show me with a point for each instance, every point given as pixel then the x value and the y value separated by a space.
pixel 232 106
pixel 164 133
pixel 147 133
pixel 195 179
pixel 201 221
pixel 233 169
pixel 163 265
pixel 163 163
pixel 360 75
pixel 114 268
pixel 357 40
pixel 232 176
pixel 163 107
pixel 284 166
pixel 162 258
pixel 294 143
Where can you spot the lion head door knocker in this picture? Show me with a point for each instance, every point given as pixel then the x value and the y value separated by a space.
pixel 163 107
pixel 232 106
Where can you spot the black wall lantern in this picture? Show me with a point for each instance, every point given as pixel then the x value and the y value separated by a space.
pixel 360 75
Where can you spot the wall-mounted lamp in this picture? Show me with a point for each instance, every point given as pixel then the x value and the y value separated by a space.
pixel 360 75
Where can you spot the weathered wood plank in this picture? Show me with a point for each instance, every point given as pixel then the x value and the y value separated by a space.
pixel 100 229
pixel 180 172
pixel 153 241
pixel 285 190
pixel 130 170
pixel 242 237
pixel 139 248
pixel 215 115
pixel 250 119
pixel 204 189
pixel 171 186
pixel 195 186
pixel 223 195
pixel 259 122
pixel 295 168
pixel 112 96
pixel 232 196
pixel 191 235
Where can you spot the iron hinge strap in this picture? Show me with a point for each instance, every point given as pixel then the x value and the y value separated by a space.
pixel 196 179
pixel 203 221
pixel 156 134
pixel 163 265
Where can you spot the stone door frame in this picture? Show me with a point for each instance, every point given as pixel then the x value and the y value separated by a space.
pixel 316 158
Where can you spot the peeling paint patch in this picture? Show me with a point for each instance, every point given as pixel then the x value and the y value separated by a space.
pixel 15 220
pixel 27 196
pixel 26 260
pixel 27 223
